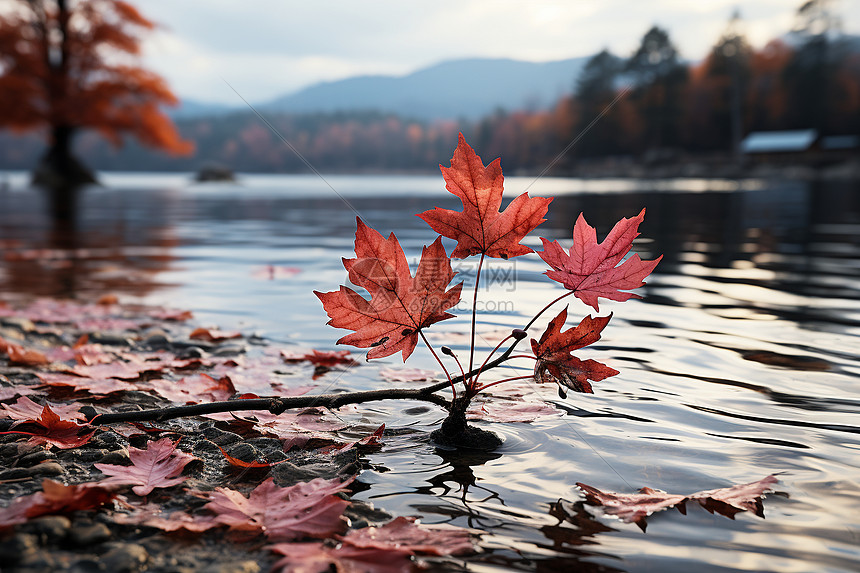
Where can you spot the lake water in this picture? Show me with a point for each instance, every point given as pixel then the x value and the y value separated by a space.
pixel 741 360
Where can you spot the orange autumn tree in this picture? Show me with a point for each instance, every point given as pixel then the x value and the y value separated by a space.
pixel 69 65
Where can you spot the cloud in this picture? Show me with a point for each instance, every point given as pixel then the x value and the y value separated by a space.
pixel 270 47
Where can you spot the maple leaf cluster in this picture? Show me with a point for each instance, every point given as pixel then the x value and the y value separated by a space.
pixel 401 305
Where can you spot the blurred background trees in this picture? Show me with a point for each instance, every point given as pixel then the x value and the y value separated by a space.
pixel 71 65
pixel 654 106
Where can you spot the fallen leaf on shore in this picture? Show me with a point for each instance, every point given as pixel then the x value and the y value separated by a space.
pixel 20 356
pixel 194 389
pixel 55 499
pixel 213 335
pixel 26 409
pixel 318 557
pixel 635 507
pixel 49 428
pixel 404 534
pixel 95 386
pixel 158 465
pixel 307 509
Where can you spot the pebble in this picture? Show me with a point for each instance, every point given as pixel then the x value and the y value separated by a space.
pixel 157 342
pixel 220 437
pixel 191 352
pixel 50 528
pixel 244 451
pixel 91 534
pixel 83 455
pixel 47 469
pixel 109 339
pixel 125 558
pixel 117 458
pixel 233 567
pixel 230 350
pixel 18 547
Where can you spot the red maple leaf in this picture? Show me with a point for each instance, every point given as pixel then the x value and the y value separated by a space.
pixel 49 428
pixel 635 507
pixel 307 509
pixel 18 355
pixel 313 557
pixel 213 335
pixel 55 498
pixel 159 465
pixel 592 269
pixel 26 409
pixel 400 305
pixel 480 227
pixel 404 534
pixel 555 363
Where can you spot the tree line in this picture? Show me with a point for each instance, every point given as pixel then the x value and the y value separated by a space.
pixel 649 107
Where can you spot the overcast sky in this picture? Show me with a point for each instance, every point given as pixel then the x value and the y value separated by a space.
pixel 266 48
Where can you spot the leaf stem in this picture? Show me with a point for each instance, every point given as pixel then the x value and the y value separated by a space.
pixel 544 309
pixel 471 383
pixel 490 355
pixel 439 360
pixel 485 386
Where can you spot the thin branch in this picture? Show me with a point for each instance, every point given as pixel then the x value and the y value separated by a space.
pixel 273 405
pixel 439 360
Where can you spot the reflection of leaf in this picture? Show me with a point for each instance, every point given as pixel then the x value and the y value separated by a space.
pixel 194 389
pixel 590 270
pixel 556 364
pixel 480 227
pixel 511 411
pixel 400 305
pixel 407 374
pixel 55 499
pixel 307 509
pixel 159 465
pixel 635 507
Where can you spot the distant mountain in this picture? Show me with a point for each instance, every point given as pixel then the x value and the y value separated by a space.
pixel 468 89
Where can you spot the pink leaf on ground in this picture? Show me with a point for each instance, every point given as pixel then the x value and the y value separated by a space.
pixel 404 534
pixel 159 465
pixel 9 392
pixel 26 409
pixel 317 558
pixel 635 507
pixel 590 267
pixel 307 509
pixel 193 389
pixel 55 499
pixel 95 386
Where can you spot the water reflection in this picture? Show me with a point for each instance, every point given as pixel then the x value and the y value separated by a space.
pixel 740 361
